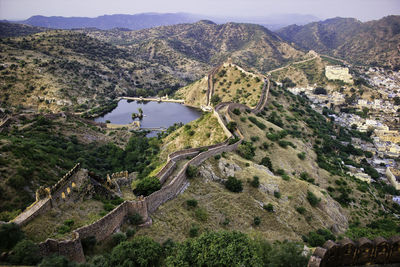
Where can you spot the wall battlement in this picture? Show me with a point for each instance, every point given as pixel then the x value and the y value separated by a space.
pixel 361 252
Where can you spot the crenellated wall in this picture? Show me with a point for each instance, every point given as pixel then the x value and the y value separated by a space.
pixel 49 197
pixel 101 229
pixel 357 253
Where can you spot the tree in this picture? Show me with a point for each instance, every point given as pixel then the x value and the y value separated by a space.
pixel 10 234
pixel 234 185
pixel 57 261
pixel 312 199
pixel 216 249
pixel 25 252
pixel 215 99
pixel 147 186
pixel 141 251
pixel 255 182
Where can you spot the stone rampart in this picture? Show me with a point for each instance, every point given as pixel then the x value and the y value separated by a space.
pixel 72 249
pixel 361 252
pixel 101 229
pixel 38 207
pixel 48 198
pixel 106 225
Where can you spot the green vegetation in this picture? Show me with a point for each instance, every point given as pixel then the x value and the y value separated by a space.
pixel 269 207
pixel 234 185
pixel 147 186
pixel 312 199
pixel 42 153
pixel 191 203
pixel 192 171
pixel 319 237
pixel 381 227
pixel 257 123
pixel 255 182
pixel 246 150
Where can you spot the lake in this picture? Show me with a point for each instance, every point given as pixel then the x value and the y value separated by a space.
pixel 156 114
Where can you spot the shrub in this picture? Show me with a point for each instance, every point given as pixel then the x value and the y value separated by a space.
pixel 141 251
pixel 254 138
pixel 277 194
pixel 69 222
pixel 246 150
pixel 302 155
pixel 217 157
pixel 191 203
pixel 117 238
pixel 269 207
pixel 201 214
pixel 312 199
pixel 147 186
pixel 255 182
pixel 108 206
pixel 194 231
pixel 234 185
pixel 231 126
pixel 25 253
pixel 56 261
pixel 280 172
pixel 301 210
pixel 257 123
pixel 10 234
pixel 257 221
pixel 236 111
pixel 266 161
pixel 215 99
pixel 135 219
pixel 130 232
pixel 191 171
pixel 63 229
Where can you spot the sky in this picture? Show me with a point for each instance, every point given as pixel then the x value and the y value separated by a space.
pixel 361 9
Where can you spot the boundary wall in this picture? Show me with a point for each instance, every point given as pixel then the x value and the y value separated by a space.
pixel 357 253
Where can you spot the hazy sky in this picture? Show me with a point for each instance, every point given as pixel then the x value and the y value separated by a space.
pixel 361 9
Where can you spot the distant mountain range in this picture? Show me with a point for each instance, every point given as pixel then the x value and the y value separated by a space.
pixel 374 42
pixel 150 20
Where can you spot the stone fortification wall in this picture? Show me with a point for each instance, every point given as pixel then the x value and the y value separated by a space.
pixel 174 187
pixel 48 198
pixel 72 249
pixel 361 252
pixel 338 73
pixel 37 208
pixel 101 229
pixel 105 226
pixel 65 179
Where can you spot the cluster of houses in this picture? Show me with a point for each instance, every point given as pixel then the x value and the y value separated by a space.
pixel 386 142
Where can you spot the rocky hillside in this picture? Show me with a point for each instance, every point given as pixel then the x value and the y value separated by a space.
pixel 13 29
pixel 81 70
pixel 289 175
pixel 373 42
pixel 64 70
pixel 205 42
